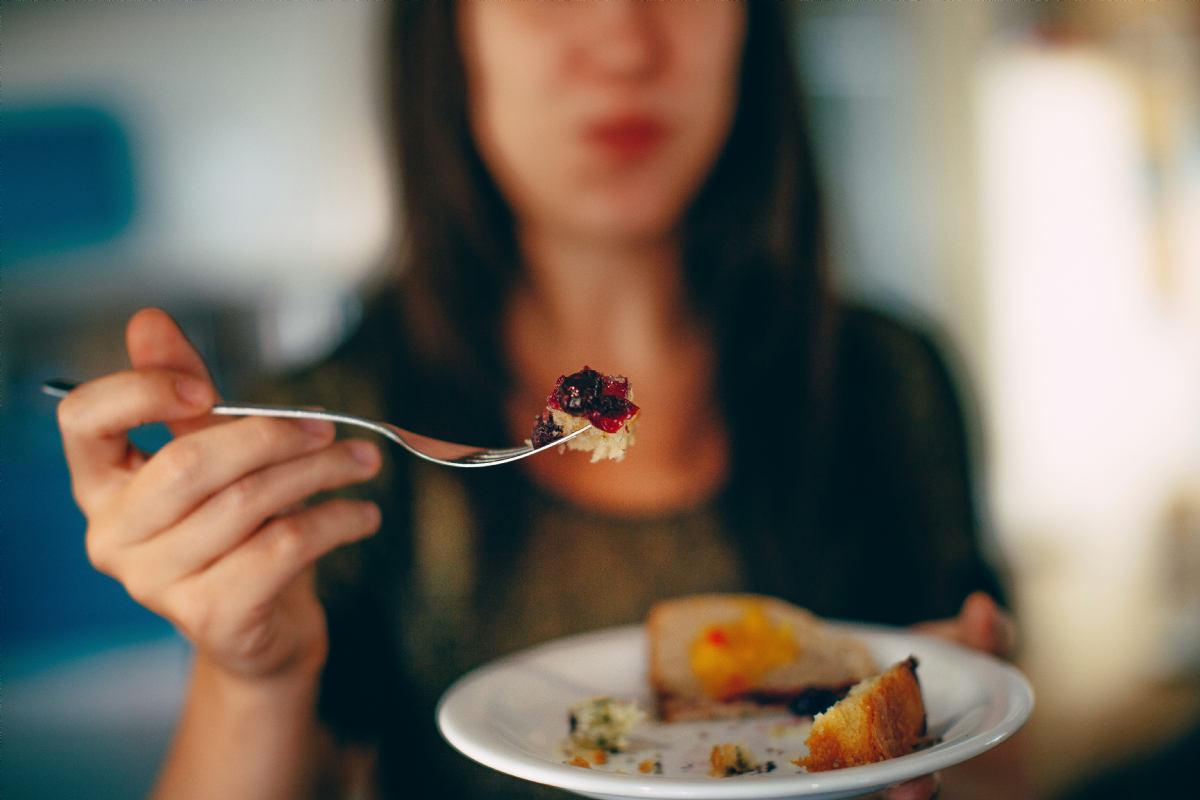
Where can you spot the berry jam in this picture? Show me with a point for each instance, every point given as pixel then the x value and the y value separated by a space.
pixel 816 700
pixel 576 393
pixel 602 399
pixel 545 430
pixel 609 412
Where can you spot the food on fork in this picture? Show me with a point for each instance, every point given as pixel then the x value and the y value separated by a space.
pixel 589 397
pixel 714 656
pixel 882 717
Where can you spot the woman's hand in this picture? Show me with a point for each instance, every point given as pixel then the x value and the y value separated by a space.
pixel 210 531
pixel 980 625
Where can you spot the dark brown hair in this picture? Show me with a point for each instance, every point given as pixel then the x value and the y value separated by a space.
pixel 752 237
pixel 753 261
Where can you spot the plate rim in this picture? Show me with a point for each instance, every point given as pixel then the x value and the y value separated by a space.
pixel 511 760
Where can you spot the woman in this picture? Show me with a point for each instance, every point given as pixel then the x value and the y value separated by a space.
pixel 624 185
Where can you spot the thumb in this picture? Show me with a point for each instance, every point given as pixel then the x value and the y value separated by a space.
pixel 983 625
pixel 155 341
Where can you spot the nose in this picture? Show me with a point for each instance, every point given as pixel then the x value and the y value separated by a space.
pixel 627 40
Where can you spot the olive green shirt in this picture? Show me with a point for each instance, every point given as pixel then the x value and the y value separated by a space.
pixel 471 566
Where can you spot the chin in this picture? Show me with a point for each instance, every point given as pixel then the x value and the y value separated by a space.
pixel 630 232
pixel 631 219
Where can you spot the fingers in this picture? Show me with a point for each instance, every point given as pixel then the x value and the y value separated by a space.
pixel 261 567
pixel 96 417
pixel 190 469
pixel 196 532
pixel 924 788
pixel 983 625
pixel 155 341
pixel 233 514
pixel 255 611
pixel 980 625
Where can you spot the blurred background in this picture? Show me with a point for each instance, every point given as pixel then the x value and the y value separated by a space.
pixel 1025 178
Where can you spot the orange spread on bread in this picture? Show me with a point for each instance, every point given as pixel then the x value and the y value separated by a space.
pixel 730 658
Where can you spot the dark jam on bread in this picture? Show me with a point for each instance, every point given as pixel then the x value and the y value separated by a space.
pixel 545 430
pixel 603 399
pixel 591 412
pixel 576 393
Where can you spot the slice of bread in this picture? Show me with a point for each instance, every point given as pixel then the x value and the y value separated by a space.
pixel 730 655
pixel 601 444
pixel 882 717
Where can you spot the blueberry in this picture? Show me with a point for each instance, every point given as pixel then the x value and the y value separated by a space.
pixel 611 407
pixel 576 393
pixel 609 413
pixel 545 431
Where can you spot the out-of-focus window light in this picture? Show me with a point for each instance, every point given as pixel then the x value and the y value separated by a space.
pixel 257 172
pixel 1093 383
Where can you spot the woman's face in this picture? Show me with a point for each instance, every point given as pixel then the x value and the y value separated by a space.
pixel 601 118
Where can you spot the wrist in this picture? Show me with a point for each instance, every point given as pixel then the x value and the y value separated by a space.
pixel 293 688
pixel 253 737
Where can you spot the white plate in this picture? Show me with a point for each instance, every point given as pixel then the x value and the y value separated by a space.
pixel 512 716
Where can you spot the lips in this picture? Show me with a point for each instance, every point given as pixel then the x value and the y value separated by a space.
pixel 627 137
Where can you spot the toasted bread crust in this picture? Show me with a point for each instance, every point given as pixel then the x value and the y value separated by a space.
pixel 826 659
pixel 881 718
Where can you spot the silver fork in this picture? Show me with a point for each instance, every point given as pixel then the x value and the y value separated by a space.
pixel 436 450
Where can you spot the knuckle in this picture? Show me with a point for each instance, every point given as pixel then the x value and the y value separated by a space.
pixel 268 434
pixel 242 495
pixel 140 589
pixel 288 538
pixel 247 648
pixel 85 495
pixel 70 414
pixel 180 461
pixel 99 554
pixel 192 610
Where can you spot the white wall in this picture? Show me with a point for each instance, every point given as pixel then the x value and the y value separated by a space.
pixel 256 147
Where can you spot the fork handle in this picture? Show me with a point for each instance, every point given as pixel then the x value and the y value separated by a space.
pixel 435 450
pixel 56 387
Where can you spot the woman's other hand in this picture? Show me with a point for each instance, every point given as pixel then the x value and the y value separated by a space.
pixel 980 625
pixel 211 532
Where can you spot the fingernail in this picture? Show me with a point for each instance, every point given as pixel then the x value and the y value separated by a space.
pixel 192 391
pixel 371 515
pixel 319 428
pixel 364 453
